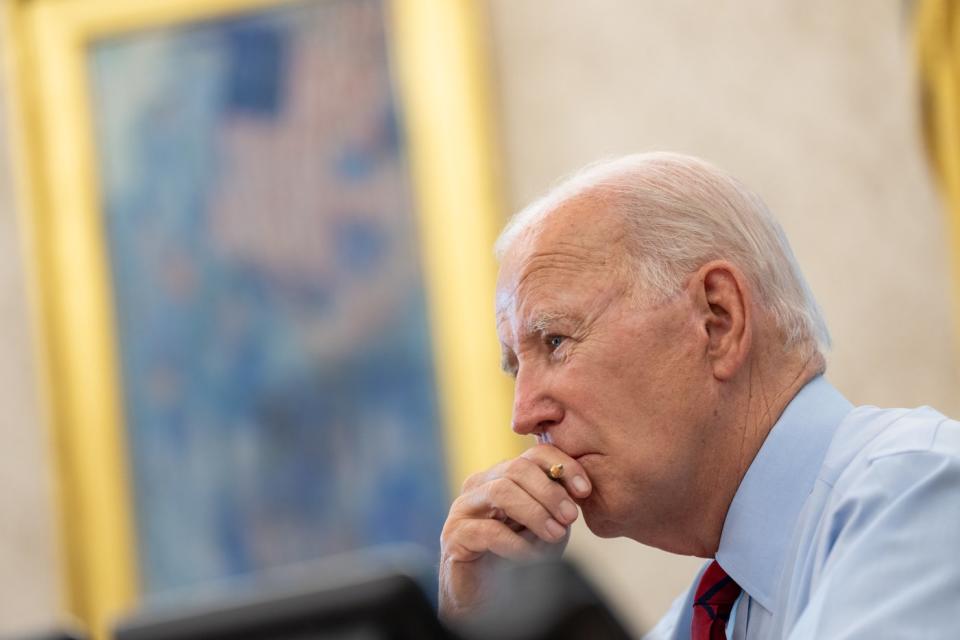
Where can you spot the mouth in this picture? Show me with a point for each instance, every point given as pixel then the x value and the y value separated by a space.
pixel 584 456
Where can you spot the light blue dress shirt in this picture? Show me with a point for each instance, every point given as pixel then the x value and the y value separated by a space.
pixel 846 525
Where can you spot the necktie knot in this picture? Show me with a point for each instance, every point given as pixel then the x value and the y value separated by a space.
pixel 712 603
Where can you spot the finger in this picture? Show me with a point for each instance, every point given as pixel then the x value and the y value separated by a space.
pixel 574 478
pixel 473 538
pixel 552 495
pixel 503 499
pixel 475 480
pixel 532 479
pixel 550 549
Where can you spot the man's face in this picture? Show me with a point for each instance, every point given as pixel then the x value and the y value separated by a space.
pixel 621 386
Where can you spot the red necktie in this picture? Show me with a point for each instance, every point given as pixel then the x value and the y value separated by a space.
pixel 714 600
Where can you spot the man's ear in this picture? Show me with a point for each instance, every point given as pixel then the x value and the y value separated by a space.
pixel 722 297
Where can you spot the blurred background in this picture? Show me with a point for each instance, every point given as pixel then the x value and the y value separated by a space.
pixel 238 375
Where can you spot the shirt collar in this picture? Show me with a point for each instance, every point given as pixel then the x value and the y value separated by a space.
pixel 762 516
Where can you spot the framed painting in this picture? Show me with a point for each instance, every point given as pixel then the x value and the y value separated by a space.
pixel 260 234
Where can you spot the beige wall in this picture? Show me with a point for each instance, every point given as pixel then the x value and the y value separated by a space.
pixel 810 102
pixel 29 595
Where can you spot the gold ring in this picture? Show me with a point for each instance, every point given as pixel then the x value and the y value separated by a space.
pixel 556 471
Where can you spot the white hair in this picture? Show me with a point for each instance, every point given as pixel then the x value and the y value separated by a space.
pixel 679 213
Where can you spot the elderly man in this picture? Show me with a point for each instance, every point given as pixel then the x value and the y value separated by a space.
pixel 668 353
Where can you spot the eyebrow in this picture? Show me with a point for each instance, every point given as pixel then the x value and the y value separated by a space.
pixel 542 321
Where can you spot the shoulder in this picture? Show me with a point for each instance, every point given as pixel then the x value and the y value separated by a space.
pixel 870 434
pixel 922 430
pixel 891 518
pixel 896 472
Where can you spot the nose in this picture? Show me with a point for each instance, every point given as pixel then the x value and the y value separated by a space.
pixel 534 410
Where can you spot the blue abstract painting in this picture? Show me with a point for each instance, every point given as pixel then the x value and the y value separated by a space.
pixel 277 368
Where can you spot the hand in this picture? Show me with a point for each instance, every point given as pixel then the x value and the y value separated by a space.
pixel 512 511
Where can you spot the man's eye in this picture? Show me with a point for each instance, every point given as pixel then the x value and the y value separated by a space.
pixel 555 341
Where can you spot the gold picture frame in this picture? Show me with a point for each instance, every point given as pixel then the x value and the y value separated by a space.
pixel 437 49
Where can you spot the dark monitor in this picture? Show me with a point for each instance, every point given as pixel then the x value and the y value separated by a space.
pixel 343 600
pixel 61 634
